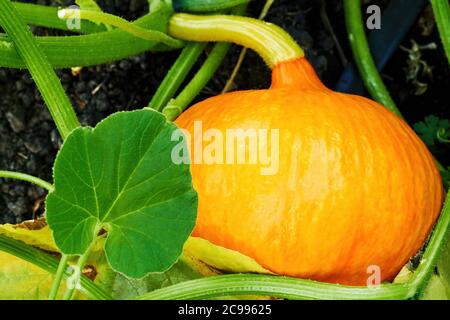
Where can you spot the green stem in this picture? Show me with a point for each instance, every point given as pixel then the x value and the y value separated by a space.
pixel 42 72
pixel 374 84
pixel 217 54
pixel 26 177
pixel 271 42
pixel 441 136
pixel 48 263
pixel 363 56
pixel 365 62
pixel 433 250
pixel 176 75
pixel 205 5
pixel 92 49
pixel 241 57
pixel 112 20
pixel 201 78
pixel 68 295
pixel 441 10
pixel 58 277
pixel 44 16
pixel 274 286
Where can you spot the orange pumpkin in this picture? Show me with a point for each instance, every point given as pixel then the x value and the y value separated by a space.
pixel 355 187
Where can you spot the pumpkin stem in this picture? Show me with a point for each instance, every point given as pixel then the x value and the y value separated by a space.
pixel 271 42
pixel 296 73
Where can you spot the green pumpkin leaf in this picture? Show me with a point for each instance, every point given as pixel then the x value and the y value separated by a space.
pixel 429 128
pixel 120 177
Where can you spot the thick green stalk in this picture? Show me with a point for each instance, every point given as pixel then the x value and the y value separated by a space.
pixel 271 42
pixel 92 49
pixel 58 277
pixel 68 295
pixel 112 20
pixel 433 251
pixel 441 10
pixel 180 25
pixel 44 16
pixel 241 57
pixel 363 57
pixel 364 60
pixel 48 263
pixel 206 5
pixel 176 75
pixel 43 74
pixel 198 82
pixel 26 177
pixel 274 286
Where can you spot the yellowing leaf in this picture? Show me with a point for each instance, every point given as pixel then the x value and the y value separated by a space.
pixel 21 280
pixel 220 258
pixel 436 289
pixel 403 276
pixel 444 266
pixel 40 238
pixel 103 275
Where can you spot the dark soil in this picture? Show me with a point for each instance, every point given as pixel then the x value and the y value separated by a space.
pixel 29 140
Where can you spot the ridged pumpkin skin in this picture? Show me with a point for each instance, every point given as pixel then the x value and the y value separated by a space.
pixel 355 187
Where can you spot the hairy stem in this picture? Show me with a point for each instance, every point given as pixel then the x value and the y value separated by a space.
pixel 68 295
pixel 363 56
pixel 58 277
pixel 272 43
pixel 176 75
pixel 92 49
pixel 275 286
pixel 202 77
pixel 206 5
pixel 26 177
pixel 44 16
pixel 48 263
pixel 433 251
pixel 234 73
pixel 112 20
pixel 198 82
pixel 42 72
